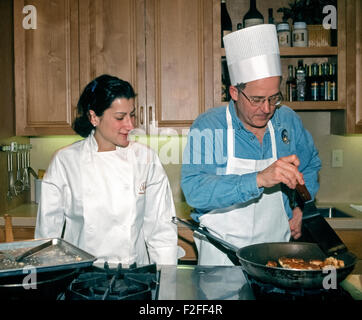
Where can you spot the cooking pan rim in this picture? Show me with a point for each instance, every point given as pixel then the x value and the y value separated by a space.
pixel 352 255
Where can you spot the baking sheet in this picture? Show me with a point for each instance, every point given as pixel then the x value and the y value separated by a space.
pixel 61 255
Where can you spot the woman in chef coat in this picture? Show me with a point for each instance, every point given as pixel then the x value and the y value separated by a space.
pixel 107 195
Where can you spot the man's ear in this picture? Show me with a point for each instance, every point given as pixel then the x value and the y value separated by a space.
pixel 234 93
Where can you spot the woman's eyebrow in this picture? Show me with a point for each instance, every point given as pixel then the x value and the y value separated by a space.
pixel 124 113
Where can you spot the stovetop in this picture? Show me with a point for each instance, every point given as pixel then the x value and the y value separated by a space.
pixel 95 283
pixel 231 283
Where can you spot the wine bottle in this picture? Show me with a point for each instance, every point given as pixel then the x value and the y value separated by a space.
pixel 270 16
pixel 226 25
pixel 301 83
pixel 291 85
pixel 314 92
pixel 326 80
pixel 334 82
pixel 321 82
pixel 253 16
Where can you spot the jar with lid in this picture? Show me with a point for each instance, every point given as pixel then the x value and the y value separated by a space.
pixel 300 34
pixel 283 31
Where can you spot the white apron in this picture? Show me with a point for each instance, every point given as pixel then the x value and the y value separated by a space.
pixel 259 220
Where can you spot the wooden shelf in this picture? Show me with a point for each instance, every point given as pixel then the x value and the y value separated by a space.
pixel 303 52
pixel 314 105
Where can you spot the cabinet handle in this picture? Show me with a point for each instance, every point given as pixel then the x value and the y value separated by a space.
pixel 141 115
pixel 150 114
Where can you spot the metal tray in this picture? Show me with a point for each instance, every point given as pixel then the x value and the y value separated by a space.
pixel 60 255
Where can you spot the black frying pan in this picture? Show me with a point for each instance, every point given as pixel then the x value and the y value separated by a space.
pixel 253 260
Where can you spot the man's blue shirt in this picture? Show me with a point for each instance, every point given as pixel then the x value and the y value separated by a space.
pixel 203 179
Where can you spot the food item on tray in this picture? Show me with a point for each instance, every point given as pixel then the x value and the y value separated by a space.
pixel 301 264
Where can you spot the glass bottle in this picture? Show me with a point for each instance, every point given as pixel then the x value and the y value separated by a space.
pixel 314 92
pixel 301 82
pixel 291 85
pixel 334 82
pixel 321 82
pixel 226 25
pixel 253 16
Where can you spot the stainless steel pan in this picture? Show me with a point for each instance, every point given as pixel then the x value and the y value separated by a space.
pixel 253 260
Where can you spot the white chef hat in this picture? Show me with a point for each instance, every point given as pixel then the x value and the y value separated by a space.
pixel 252 53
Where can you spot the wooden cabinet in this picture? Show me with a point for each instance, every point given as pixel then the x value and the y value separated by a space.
pixel 46 67
pixel 179 61
pixel 346 113
pixel 353 117
pixel 163 48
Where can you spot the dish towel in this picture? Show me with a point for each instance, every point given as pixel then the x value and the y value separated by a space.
pixel 357 207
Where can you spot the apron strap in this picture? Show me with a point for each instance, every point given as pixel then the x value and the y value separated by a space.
pixel 230 134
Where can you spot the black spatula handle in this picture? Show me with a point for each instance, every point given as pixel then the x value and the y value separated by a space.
pixel 303 192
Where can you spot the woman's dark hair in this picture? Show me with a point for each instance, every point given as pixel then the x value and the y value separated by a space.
pixel 98 96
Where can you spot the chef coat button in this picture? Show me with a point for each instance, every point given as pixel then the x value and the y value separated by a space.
pixel 90 229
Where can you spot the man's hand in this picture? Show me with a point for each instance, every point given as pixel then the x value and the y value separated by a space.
pixel 284 170
pixel 295 223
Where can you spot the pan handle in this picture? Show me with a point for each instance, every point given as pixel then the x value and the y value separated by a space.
pixel 206 233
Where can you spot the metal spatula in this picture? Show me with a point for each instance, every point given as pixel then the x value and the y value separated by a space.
pixel 318 228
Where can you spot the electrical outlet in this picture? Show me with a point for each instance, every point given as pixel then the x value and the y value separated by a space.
pixel 337 158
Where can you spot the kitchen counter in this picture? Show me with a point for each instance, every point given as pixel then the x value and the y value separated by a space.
pixel 355 222
pixel 185 282
pixel 24 215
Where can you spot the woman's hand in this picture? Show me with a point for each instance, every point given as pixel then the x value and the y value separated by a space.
pixel 295 223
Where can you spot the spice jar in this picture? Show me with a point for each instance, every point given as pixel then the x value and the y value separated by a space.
pixel 300 34
pixel 283 31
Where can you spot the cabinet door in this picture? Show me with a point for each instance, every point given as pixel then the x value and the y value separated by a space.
pixel 109 45
pixel 46 67
pixel 354 66
pixel 179 64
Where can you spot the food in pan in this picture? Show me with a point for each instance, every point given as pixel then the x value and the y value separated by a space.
pixel 301 264
pixel 272 264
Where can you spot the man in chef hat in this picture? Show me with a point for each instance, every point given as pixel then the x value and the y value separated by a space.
pixel 267 151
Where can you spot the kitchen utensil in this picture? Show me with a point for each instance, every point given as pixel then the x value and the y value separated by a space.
pixel 25 175
pixel 18 182
pixel 317 228
pixel 253 260
pixel 9 165
pixel 13 148
pixel 33 250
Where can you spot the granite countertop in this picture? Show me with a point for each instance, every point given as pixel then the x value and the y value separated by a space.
pixel 25 215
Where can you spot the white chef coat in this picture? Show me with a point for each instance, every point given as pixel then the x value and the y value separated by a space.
pixel 117 205
pixel 260 220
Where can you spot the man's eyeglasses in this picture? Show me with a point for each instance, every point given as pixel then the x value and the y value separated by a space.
pixel 274 100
